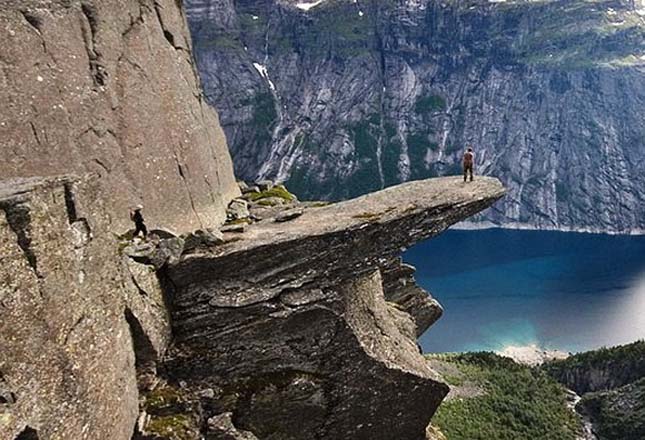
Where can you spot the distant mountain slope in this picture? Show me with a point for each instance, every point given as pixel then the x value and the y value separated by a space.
pixel 345 97
pixel 611 382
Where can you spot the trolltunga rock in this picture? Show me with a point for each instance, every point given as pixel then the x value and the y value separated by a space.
pixel 291 321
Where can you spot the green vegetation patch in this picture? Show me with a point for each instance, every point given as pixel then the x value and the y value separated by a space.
pixel 618 414
pixel 338 28
pixel 221 42
pixel 162 398
pixel 277 191
pixel 173 427
pixel 518 402
pixel 264 117
pixel 581 34
pixel 613 383
pixel 170 414
pixel 429 104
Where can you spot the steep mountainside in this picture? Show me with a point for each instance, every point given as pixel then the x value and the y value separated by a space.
pixel 493 397
pixel 340 97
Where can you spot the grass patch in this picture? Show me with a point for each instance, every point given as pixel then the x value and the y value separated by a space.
pixel 519 402
pixel 172 427
pixel 268 202
pixel 279 191
pixel 161 398
pixel 170 414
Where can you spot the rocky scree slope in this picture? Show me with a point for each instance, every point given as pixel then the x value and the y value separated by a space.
pixel 339 98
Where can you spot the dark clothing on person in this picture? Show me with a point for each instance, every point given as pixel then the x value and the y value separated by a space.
pixel 468 165
pixel 137 217
pixel 468 169
pixel 139 226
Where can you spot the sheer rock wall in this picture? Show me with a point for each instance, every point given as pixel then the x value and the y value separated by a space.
pixel 109 87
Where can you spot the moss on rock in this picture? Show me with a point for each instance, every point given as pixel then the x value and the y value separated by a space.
pixel 279 191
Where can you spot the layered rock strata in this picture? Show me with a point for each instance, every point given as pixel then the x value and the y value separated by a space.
pixel 289 325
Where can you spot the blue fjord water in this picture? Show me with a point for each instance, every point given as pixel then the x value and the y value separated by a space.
pixel 560 290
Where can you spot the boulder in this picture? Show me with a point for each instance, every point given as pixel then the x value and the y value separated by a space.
pixel 251 189
pixel 242 185
pixel 238 209
pixel 220 427
pixel 265 185
pixel 202 239
pixel 156 254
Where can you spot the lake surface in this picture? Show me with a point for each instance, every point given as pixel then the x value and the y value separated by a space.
pixel 560 290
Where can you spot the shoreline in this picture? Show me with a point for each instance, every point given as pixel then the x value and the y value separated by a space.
pixel 531 354
pixel 476 226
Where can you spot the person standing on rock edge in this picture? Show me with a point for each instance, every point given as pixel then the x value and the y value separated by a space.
pixel 468 163
pixel 137 218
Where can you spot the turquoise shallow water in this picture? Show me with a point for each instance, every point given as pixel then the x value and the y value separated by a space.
pixel 559 290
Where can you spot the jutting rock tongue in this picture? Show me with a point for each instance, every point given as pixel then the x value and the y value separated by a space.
pixel 287 327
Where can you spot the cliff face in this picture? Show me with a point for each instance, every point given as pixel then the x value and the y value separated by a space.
pixel 108 87
pixel 343 98
pixel 617 414
pixel 600 370
pixel 72 312
pixel 100 109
